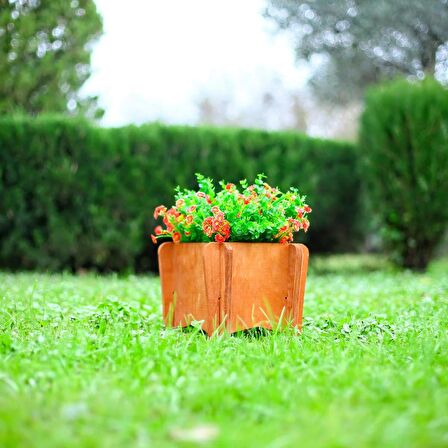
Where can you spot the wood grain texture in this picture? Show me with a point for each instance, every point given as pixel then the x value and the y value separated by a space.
pixel 233 286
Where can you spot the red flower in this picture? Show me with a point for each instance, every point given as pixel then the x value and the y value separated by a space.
pixel 209 201
pixel 200 194
pixel 295 223
pixel 216 225
pixel 230 187
pixel 191 209
pixel 219 238
pixel 219 217
pixel 226 230
pixel 207 226
pixel 159 211
pixel 154 239
pixel 187 233
pixel 215 209
pixel 176 237
pixel 307 208
pixel 180 203
pixel 283 240
pixel 169 227
pixel 300 211
pixel 172 212
pixel 158 230
pixel 189 219
pixel 305 225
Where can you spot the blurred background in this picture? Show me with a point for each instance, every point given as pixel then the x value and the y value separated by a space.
pixel 106 106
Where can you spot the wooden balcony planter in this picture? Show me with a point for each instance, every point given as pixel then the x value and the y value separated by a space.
pixel 233 286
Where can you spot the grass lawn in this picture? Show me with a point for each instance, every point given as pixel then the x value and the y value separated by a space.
pixel 86 362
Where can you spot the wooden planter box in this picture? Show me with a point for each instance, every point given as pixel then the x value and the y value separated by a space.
pixel 233 286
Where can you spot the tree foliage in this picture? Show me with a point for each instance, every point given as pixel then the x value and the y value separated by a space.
pixel 45 55
pixel 361 42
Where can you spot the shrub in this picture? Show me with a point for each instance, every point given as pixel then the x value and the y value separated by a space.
pixel 404 139
pixel 256 212
pixel 73 195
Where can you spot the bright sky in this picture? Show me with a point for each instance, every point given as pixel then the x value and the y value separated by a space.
pixel 157 58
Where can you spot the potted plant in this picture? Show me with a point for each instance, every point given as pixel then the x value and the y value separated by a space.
pixel 232 263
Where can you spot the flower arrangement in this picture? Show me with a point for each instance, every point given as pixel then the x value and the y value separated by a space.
pixel 256 212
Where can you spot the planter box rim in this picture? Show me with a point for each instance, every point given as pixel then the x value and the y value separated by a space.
pixel 274 243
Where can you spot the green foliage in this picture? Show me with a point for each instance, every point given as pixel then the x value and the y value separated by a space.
pixel 404 138
pixel 78 196
pixel 45 55
pixel 363 42
pixel 256 212
pixel 85 362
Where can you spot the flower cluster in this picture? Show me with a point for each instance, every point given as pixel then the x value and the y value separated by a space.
pixel 256 212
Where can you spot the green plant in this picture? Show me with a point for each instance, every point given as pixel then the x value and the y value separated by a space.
pixel 74 195
pixel 256 212
pixel 404 139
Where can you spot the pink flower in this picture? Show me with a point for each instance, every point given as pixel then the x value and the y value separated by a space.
pixel 173 212
pixel 158 230
pixel 216 225
pixel 159 211
pixel 207 226
pixel 305 225
pixel 219 217
pixel 295 223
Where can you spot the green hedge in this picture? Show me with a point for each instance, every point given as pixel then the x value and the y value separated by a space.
pixel 78 196
pixel 404 140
